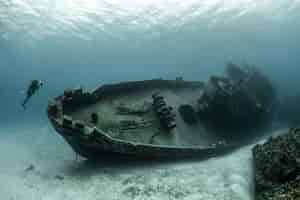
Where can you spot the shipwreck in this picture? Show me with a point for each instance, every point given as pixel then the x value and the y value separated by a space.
pixel 157 118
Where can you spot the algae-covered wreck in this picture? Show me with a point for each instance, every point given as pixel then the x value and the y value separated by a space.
pixel 151 118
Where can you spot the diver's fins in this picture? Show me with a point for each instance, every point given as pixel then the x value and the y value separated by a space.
pixel 23 105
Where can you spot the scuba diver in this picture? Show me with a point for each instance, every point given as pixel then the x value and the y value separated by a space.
pixel 34 86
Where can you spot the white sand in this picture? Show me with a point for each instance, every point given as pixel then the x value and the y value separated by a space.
pixel 228 177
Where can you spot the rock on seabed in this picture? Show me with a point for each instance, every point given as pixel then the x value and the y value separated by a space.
pixel 277 167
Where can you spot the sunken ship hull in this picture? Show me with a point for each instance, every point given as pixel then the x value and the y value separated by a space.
pixel 123 119
pixel 105 146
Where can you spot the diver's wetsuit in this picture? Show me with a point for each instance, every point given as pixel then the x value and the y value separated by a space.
pixel 34 86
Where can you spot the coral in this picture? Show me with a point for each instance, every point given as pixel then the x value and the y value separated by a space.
pixel 277 167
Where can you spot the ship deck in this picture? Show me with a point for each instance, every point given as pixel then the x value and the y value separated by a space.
pixel 148 130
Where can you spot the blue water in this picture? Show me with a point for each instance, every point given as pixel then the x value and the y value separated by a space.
pixel 71 43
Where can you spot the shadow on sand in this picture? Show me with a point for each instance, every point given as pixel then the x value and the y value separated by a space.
pixel 123 163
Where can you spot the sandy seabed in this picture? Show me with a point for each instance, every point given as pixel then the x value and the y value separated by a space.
pixel 36 164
